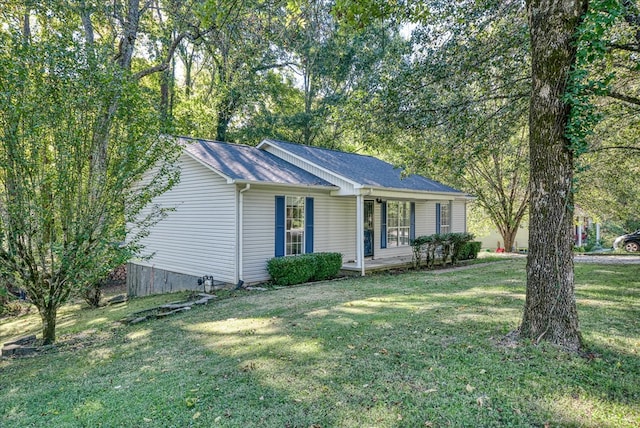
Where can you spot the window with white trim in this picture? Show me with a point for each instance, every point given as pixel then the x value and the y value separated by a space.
pixel 445 217
pixel 294 226
pixel 398 223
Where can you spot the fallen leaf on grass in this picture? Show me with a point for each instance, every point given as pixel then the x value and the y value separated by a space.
pixel 470 388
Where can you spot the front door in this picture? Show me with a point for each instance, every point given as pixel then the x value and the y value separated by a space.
pixel 368 228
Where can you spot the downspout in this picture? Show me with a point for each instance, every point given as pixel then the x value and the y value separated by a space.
pixel 240 237
pixel 360 233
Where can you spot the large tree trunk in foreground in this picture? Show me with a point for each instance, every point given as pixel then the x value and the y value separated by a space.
pixel 550 309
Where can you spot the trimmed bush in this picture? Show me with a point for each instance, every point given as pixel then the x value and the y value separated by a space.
pixel 458 242
pixel 448 244
pixel 291 270
pixel 304 267
pixel 327 265
pixel 470 250
pixel 420 245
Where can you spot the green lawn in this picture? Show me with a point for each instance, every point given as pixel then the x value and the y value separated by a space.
pixel 410 350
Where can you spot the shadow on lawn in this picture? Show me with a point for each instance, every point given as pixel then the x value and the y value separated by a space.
pixel 430 358
pixel 390 351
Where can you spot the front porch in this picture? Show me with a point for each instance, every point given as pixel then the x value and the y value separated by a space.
pixel 378 264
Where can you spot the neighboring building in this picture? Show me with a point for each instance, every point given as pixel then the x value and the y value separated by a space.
pixel 493 240
pixel 237 206
pixel 583 224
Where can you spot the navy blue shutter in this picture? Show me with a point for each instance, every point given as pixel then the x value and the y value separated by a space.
pixel 383 225
pixel 280 226
pixel 412 221
pixel 308 225
pixel 438 218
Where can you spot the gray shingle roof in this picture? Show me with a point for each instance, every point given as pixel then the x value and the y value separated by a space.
pixel 246 163
pixel 364 170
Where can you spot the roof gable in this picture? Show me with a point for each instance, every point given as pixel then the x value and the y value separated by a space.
pixel 367 171
pixel 241 163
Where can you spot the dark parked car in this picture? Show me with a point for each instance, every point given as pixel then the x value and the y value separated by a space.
pixel 630 241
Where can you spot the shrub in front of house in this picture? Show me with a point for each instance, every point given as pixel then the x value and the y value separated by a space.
pixel 291 270
pixel 304 267
pixel 459 243
pixel 327 265
pixel 470 250
pixel 454 245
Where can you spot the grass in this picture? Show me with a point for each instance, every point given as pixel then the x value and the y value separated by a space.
pixel 410 350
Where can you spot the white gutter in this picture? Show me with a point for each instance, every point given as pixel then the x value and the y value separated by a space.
pixel 287 185
pixel 360 233
pixel 240 232
pixel 388 192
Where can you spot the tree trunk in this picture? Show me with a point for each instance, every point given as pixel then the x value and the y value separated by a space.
pixel 550 309
pixel 165 80
pixel 49 314
pixel 223 124
pixel 509 237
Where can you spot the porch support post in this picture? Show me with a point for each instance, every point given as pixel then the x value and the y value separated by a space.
pixel 579 234
pixel 360 233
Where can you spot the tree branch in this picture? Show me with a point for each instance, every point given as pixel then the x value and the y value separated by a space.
pixel 165 63
pixel 623 97
pixel 626 47
pixel 601 149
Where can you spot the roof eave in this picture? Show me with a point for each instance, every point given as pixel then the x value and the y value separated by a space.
pixel 422 194
pixel 288 185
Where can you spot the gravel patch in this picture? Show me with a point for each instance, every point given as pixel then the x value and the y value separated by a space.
pixel 607 259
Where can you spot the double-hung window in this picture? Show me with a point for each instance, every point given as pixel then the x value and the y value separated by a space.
pixel 398 223
pixel 294 231
pixel 293 225
pixel 445 217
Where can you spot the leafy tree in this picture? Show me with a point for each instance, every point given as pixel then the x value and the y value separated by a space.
pixel 459 101
pixel 227 66
pixel 463 91
pixel 604 127
pixel 76 138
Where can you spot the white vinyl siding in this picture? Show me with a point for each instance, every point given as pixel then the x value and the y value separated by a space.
pixel 334 228
pixel 458 216
pixel 426 218
pixel 198 238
